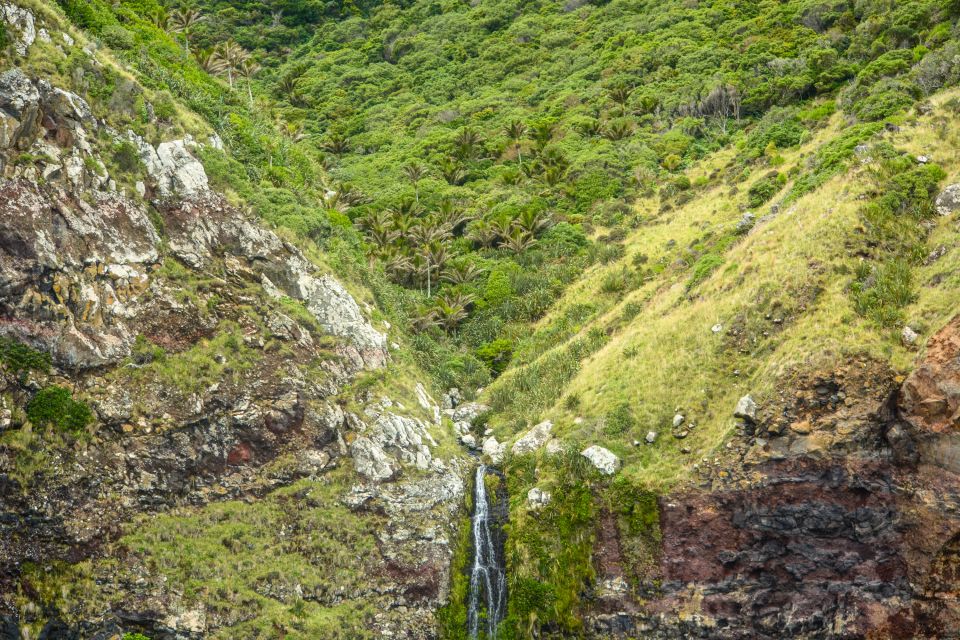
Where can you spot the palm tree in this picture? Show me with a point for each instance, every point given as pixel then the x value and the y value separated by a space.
pixel 248 68
pixel 429 231
pixel 618 129
pixel 403 225
pixel 209 61
pixel 431 258
pixel 398 265
pixel 336 143
pixel 543 133
pixel 231 56
pixel 451 310
pixel 482 232
pixel 515 131
pixel 532 221
pixel 502 227
pixel 466 143
pixel 451 213
pixel 519 240
pixel 183 21
pixel 461 273
pixel 590 128
pixel 160 18
pixel 415 172
pixel 424 319
pixel 452 171
pixel 382 235
pixel 620 93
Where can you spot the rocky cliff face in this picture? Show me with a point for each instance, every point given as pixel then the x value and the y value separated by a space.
pixel 838 518
pixel 214 356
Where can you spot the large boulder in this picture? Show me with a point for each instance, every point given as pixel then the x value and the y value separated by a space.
pixel 371 461
pixel 533 439
pixel 746 409
pixel 604 460
pixel 172 167
pixel 494 449
pixel 537 498
pixel 949 200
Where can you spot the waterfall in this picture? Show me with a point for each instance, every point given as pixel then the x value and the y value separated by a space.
pixel 488 582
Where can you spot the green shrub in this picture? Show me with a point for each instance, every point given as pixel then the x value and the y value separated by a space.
pixel 135 636
pixel 116 37
pixel 55 406
pixel 496 355
pixel 881 292
pixel 127 158
pixel 702 269
pixel 19 358
pixel 4 40
pixel 619 420
pixel 763 190
pixel 780 127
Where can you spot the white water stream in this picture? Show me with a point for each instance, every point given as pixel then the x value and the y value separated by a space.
pixel 488 582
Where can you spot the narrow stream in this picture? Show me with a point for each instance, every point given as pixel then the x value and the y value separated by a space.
pixel 488 582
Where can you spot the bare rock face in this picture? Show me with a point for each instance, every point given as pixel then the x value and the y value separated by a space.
pixel 85 277
pixel 21 20
pixel 840 518
pixel 930 398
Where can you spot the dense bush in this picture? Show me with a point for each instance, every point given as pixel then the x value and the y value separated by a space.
pixel 19 358
pixel 55 406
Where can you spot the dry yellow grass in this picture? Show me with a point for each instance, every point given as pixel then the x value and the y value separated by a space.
pixel 796 264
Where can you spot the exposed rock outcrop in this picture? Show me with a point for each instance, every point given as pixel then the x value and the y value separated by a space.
pixel 533 439
pixel 136 326
pixel 840 521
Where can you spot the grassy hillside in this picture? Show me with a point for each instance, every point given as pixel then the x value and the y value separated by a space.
pixel 605 214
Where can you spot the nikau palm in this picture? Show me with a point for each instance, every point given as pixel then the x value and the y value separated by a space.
pixel 184 20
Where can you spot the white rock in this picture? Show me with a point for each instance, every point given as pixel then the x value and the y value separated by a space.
pixel 908 335
pixel 533 439
pixel 468 412
pixel 604 460
pixel 468 440
pixel 949 200
pixel 717 328
pixel 677 420
pixel 423 398
pixel 371 461
pixel 22 21
pixel 494 449
pixel 746 408
pixel 651 437
pixel 537 498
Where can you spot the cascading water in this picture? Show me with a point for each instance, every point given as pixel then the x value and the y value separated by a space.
pixel 488 582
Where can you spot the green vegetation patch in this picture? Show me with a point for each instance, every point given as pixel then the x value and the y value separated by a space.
pixel 19 358
pixel 55 406
pixel 552 552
